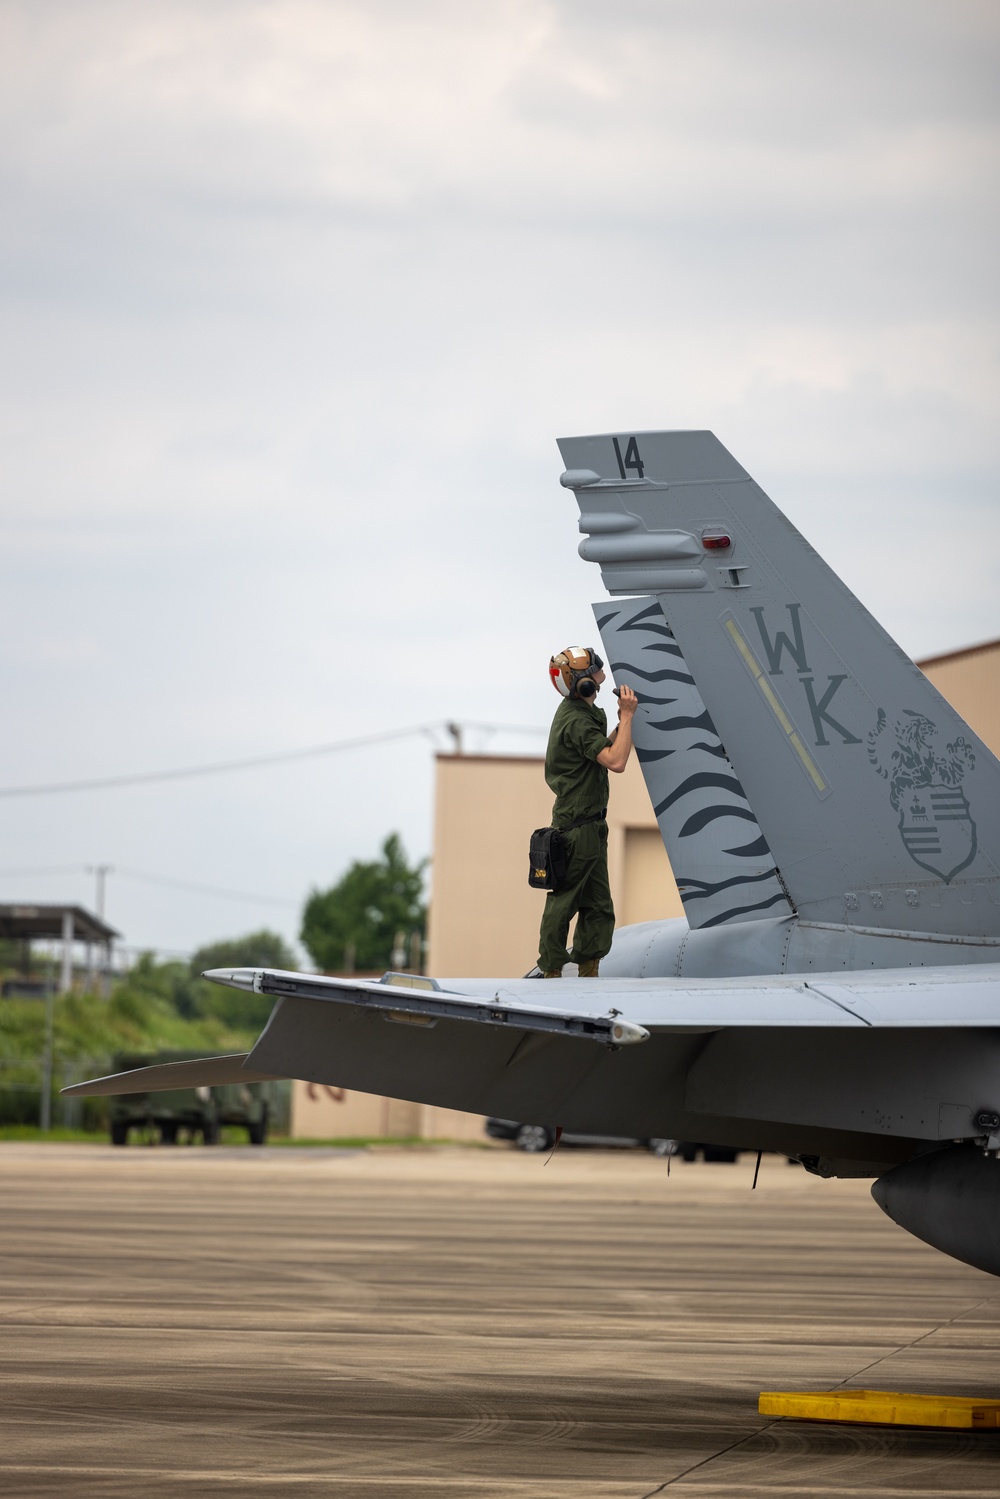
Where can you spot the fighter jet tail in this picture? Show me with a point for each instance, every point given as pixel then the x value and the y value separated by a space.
pixel 724 869
pixel 877 803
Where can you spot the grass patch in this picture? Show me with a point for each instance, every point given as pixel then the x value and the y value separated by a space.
pixel 365 1142
pixel 231 1135
pixel 355 1142
pixel 58 1133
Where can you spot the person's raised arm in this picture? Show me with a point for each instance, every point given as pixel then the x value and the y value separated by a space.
pixel 615 757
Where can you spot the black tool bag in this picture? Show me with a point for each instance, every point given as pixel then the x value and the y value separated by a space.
pixel 548 855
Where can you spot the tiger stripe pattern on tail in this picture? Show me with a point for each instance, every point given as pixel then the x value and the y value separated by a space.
pixel 720 858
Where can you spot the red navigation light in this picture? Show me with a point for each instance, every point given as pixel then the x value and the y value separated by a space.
pixel 715 541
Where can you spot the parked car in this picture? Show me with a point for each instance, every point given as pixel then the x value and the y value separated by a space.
pixel 188 1112
pixel 537 1137
pixel 688 1151
pixel 22 988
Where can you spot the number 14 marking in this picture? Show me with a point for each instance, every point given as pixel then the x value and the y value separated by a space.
pixel 631 459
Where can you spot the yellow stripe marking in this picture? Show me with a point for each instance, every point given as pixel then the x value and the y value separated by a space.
pixel 886 1407
pixel 779 711
pixel 769 696
pixel 808 762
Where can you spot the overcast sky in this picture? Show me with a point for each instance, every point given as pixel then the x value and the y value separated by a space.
pixel 298 294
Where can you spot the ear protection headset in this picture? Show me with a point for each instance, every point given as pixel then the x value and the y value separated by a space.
pixel 571 672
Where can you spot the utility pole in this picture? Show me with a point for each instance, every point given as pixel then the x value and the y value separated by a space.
pixel 45 1119
pixel 65 984
pixel 455 730
pixel 100 873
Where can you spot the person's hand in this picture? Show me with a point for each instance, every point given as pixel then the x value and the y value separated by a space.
pixel 627 702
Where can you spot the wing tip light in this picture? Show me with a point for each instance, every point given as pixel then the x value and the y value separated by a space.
pixel 235 978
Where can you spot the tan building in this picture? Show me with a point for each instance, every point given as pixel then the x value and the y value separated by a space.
pixel 484 917
pixel 320 1112
pixel 970 680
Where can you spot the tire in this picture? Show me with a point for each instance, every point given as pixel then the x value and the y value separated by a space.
pixel 721 1153
pixel 257 1130
pixel 661 1147
pixel 533 1138
pixel 119 1132
pixel 168 1133
pixel 210 1132
pixel 687 1151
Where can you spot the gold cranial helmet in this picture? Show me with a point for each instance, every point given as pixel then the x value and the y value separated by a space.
pixel 574 667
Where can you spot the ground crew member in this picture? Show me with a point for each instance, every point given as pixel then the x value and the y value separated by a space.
pixel 579 755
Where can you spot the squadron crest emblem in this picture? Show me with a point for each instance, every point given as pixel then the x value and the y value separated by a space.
pixel 925 788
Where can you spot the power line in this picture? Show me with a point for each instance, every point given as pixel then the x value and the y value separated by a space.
pixel 224 767
pixel 220 767
pixel 150 879
pixel 162 879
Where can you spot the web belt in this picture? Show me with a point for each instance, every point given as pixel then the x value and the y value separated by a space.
pixel 582 821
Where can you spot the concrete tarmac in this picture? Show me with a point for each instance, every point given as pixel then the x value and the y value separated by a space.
pixel 463 1322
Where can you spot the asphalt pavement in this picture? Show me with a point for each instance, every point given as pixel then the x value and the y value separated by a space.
pixel 465 1322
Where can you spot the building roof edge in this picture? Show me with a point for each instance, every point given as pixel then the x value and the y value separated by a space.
pixel 965 650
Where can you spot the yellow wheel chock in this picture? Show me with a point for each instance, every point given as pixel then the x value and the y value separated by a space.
pixel 884 1407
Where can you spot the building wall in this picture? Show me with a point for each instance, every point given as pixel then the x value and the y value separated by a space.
pixel 483 915
pixel 323 1113
pixel 970 680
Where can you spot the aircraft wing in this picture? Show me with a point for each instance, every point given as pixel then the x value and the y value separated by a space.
pixel 456 1041
pixel 622 1012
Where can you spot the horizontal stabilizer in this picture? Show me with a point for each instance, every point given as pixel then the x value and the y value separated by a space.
pixel 202 1073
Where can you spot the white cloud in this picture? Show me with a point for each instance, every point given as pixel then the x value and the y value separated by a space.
pixel 298 294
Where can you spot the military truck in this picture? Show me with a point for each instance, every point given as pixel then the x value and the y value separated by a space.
pixel 187 1113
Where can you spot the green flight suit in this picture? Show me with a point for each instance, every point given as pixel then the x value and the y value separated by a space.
pixel 579 732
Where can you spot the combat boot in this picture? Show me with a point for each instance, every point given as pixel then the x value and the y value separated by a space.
pixel 555 974
pixel 589 969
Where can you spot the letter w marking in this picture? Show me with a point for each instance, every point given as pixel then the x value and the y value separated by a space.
pixel 781 642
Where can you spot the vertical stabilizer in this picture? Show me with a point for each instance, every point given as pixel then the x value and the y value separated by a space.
pixel 720 858
pixel 880 806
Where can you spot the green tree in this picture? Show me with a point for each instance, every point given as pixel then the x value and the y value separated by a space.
pixel 358 918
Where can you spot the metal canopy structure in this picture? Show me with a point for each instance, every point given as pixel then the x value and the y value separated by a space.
pixel 68 924
pixel 51 921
